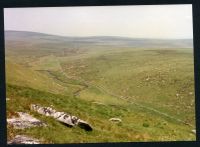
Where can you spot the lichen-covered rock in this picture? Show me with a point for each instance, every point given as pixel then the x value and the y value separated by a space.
pixel 65 118
pixel 22 139
pixel 62 117
pixel 24 121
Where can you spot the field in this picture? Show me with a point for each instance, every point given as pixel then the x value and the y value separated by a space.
pixel 148 84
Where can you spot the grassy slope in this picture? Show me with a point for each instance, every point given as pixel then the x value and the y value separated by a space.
pixel 19 75
pixel 137 125
pixel 149 77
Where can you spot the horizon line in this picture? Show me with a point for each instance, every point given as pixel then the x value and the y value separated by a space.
pixel 100 36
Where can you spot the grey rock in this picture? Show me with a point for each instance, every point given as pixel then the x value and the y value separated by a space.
pixel 115 120
pixel 22 139
pixel 193 131
pixel 68 120
pixel 24 121
pixel 98 103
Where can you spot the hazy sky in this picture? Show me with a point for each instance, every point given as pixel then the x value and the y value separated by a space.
pixel 161 21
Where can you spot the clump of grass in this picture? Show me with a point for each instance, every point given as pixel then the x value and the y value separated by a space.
pixel 146 125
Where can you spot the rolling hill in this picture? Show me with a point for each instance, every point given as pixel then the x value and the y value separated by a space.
pixel 147 83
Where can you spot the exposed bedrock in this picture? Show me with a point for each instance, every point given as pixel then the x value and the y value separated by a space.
pixel 62 117
pixel 22 139
pixel 24 121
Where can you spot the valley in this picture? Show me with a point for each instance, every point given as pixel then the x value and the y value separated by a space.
pixel 147 83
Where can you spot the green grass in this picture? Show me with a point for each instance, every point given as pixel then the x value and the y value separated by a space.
pixel 150 77
pixel 133 126
pixel 46 63
pixel 140 86
pixel 23 76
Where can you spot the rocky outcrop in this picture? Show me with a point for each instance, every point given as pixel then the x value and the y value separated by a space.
pixel 62 117
pixel 115 120
pixel 24 121
pixel 22 139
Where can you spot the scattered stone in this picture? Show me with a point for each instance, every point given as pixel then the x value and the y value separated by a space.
pixel 115 120
pixel 7 99
pixel 177 94
pixel 62 117
pixel 194 131
pixel 22 139
pixel 98 103
pixel 190 93
pixel 24 121
pixel 147 79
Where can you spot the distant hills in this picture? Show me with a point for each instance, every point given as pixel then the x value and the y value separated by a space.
pixel 46 40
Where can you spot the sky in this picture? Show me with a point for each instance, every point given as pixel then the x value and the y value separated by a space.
pixel 141 21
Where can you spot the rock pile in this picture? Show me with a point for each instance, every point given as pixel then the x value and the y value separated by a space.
pixel 62 117
pixel 24 121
